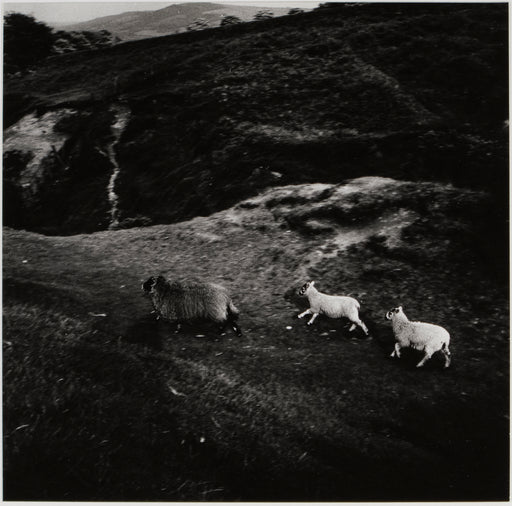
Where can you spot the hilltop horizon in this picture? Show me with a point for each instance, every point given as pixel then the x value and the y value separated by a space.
pixel 65 13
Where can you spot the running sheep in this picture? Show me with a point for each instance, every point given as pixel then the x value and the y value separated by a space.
pixel 183 301
pixel 333 306
pixel 418 335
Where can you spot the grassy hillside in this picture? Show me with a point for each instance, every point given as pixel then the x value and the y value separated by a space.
pixel 362 146
pixel 103 402
pixel 416 92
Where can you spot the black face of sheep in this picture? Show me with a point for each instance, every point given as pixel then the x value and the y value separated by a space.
pixel 305 287
pixel 390 314
pixel 148 285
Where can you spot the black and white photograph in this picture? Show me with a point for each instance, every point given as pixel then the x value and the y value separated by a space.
pixel 255 251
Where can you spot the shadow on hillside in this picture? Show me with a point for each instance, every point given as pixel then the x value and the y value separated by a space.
pixel 40 294
pixel 146 331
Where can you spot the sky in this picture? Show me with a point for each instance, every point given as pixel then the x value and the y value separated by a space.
pixel 76 10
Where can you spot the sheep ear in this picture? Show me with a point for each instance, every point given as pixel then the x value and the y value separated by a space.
pixel 311 283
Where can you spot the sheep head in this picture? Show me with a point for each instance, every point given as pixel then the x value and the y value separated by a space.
pixel 391 314
pixel 305 287
pixel 149 285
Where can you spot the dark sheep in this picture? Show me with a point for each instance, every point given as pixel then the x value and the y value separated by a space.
pixel 183 301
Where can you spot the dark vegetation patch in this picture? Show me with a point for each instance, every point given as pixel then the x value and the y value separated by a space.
pixel 119 423
pixel 125 436
pixel 73 180
pixel 318 97
pixel 27 42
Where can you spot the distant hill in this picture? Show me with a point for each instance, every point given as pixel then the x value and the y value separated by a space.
pixel 169 20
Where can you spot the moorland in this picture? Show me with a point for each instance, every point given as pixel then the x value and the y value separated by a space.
pixel 364 146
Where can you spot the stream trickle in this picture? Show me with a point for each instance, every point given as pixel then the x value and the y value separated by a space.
pixel 122 115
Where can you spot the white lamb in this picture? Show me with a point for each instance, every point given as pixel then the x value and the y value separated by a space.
pixel 418 335
pixel 333 306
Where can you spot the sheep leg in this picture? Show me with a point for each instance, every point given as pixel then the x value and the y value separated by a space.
pixel 232 323
pixel 310 322
pixel 396 351
pixel 447 357
pixel 361 324
pixel 427 356
pixel 308 311
pixel 235 327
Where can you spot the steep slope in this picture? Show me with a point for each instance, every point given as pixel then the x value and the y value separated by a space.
pixel 415 91
pixel 103 402
pixel 172 19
